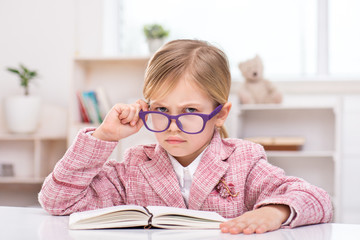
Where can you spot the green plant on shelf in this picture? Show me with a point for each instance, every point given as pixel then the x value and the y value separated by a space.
pixel 25 75
pixel 155 31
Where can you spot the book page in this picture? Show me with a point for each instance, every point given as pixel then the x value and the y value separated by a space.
pixel 117 216
pixel 163 210
pixel 169 217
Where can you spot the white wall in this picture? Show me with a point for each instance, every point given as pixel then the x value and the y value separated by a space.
pixel 45 35
pixel 39 34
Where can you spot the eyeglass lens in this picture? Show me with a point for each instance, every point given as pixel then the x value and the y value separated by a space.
pixel 188 123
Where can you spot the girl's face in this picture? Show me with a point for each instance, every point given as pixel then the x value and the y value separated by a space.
pixel 184 98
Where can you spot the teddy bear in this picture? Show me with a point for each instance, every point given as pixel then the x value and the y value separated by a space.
pixel 256 89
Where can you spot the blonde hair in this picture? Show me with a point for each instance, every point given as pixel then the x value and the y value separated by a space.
pixel 206 64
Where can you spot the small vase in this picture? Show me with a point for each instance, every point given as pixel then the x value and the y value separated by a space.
pixel 22 113
pixel 154 44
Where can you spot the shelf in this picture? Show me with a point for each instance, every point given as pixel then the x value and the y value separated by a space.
pixel 256 107
pixel 307 154
pixel 18 180
pixel 112 59
pixel 79 125
pixel 29 137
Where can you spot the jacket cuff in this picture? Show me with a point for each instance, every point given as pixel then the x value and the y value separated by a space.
pixel 91 147
pixel 290 218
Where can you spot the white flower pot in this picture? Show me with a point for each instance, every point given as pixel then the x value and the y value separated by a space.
pixel 22 113
pixel 155 44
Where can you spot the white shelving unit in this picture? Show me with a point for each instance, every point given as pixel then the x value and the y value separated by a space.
pixel 121 78
pixel 318 162
pixel 32 157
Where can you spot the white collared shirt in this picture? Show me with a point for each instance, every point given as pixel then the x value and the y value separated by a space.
pixel 185 174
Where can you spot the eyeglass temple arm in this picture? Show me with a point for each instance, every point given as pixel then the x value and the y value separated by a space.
pixel 216 111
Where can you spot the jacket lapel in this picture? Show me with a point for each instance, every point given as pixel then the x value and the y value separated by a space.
pixel 209 172
pixel 161 176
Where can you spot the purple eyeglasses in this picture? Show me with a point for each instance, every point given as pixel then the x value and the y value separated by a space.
pixel 191 123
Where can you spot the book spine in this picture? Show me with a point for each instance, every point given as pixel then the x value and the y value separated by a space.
pixel 150 218
pixel 83 113
pixel 95 103
pixel 90 107
pixel 104 105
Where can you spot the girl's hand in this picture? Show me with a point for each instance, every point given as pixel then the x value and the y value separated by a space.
pixel 121 121
pixel 264 219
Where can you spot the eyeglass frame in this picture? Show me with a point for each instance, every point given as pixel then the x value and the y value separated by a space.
pixel 205 117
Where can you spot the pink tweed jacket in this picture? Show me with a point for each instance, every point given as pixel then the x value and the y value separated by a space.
pixel 83 179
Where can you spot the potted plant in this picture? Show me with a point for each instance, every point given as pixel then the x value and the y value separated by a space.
pixel 155 35
pixel 22 112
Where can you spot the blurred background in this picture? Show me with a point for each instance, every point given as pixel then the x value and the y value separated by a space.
pixel 309 49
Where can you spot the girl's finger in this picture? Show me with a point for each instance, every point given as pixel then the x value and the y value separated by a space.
pixel 132 115
pixel 224 229
pixel 143 105
pixel 136 116
pixel 262 229
pixel 250 229
pixel 238 228
pixel 123 114
pixel 235 230
pixel 230 223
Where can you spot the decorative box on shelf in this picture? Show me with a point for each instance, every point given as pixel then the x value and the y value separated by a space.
pixel 279 143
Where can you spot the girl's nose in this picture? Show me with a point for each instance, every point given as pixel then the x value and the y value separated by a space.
pixel 173 126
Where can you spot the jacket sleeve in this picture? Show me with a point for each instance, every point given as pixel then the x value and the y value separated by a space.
pixel 83 179
pixel 267 184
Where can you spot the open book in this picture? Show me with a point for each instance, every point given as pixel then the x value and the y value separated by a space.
pixel 136 216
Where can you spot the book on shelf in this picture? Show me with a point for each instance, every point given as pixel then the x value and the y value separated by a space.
pixel 93 105
pixel 104 104
pixel 127 216
pixel 83 112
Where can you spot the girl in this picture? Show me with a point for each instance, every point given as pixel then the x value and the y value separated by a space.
pixel 187 84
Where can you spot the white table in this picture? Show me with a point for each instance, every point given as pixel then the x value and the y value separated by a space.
pixel 35 223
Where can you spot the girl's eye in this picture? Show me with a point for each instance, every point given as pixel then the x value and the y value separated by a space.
pixel 161 109
pixel 190 110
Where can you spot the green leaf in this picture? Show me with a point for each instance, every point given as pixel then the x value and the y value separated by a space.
pixel 23 67
pixel 33 74
pixel 26 71
pixel 25 76
pixel 13 70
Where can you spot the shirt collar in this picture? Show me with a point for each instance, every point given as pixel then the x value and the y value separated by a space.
pixel 179 169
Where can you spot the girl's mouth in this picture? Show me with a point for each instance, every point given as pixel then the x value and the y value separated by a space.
pixel 174 140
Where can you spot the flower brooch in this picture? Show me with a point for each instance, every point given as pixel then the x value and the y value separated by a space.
pixel 226 190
